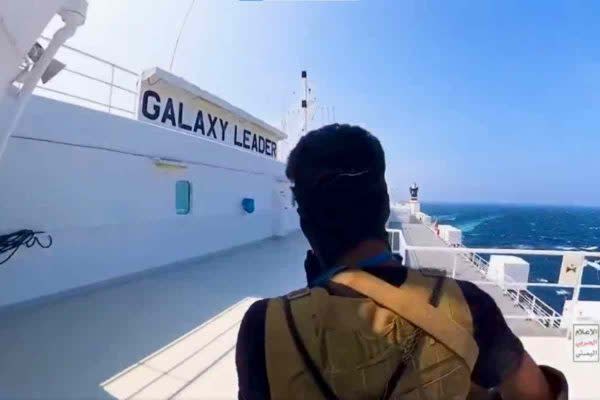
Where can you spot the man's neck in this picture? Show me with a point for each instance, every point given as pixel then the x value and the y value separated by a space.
pixel 364 251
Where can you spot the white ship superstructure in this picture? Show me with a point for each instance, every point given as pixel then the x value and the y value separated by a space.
pixel 168 220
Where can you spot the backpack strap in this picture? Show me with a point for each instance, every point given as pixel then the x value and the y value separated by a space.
pixel 411 301
pixel 312 368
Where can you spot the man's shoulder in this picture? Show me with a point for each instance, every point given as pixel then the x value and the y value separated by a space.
pixel 477 299
pixel 252 327
pixel 250 353
pixel 256 312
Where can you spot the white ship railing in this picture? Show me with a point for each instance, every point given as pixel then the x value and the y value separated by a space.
pixel 118 86
pixel 547 315
pixel 519 293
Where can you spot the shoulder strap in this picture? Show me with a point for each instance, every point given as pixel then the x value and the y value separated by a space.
pixel 434 300
pixel 324 388
pixel 412 301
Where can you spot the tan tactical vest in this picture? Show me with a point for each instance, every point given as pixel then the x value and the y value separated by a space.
pixel 397 342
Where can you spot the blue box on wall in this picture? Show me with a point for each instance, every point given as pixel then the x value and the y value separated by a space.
pixel 248 205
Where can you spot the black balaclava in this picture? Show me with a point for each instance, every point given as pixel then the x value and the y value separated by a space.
pixel 338 173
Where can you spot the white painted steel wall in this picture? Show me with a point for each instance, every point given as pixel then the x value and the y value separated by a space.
pixel 287 220
pixel 450 234
pixel 87 178
pixel 399 213
pixel 586 312
pixel 503 268
pixel 415 207
pixel 424 218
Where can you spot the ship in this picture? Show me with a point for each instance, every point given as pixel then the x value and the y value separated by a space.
pixel 135 237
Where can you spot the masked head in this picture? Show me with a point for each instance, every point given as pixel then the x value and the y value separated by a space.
pixel 338 177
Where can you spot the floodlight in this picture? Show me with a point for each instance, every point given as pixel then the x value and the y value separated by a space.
pixel 54 67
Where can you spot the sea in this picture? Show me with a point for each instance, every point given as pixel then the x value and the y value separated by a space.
pixel 530 227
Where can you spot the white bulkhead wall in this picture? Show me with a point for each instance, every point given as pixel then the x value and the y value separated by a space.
pixel 89 179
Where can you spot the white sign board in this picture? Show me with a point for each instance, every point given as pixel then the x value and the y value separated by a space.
pixel 586 343
pixel 571 262
pixel 170 101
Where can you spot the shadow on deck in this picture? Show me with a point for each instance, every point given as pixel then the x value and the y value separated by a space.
pixel 65 348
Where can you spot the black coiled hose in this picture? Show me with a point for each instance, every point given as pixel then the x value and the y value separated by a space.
pixel 10 243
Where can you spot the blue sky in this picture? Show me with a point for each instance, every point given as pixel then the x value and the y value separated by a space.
pixel 476 101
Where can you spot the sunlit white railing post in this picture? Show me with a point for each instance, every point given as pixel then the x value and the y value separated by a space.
pixel 138 87
pixel 402 245
pixel 110 88
pixel 455 265
pixel 573 317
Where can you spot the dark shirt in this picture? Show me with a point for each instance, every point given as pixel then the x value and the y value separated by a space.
pixel 500 351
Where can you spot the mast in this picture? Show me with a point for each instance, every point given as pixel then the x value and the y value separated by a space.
pixel 305 101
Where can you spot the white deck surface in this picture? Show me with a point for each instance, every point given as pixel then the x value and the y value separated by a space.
pixel 201 364
pixel 66 348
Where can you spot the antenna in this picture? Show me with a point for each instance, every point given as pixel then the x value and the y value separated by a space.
pixel 305 101
pixel 179 34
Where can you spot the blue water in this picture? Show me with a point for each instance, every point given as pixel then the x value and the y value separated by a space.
pixel 530 227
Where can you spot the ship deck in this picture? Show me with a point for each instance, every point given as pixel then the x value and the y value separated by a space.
pixel 171 333
pixel 65 348
pixel 417 234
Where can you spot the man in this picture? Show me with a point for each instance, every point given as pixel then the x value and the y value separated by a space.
pixel 366 327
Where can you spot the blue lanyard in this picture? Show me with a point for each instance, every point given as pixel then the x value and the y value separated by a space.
pixel 369 262
pixel 374 261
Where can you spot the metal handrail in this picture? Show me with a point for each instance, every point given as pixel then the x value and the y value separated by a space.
pixel 526 299
pixel 522 296
pixel 542 307
pixel 84 75
pixel 94 57
pixel 539 284
pixel 531 252
pixel 112 86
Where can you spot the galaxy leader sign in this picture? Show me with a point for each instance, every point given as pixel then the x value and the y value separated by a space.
pixel 172 106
